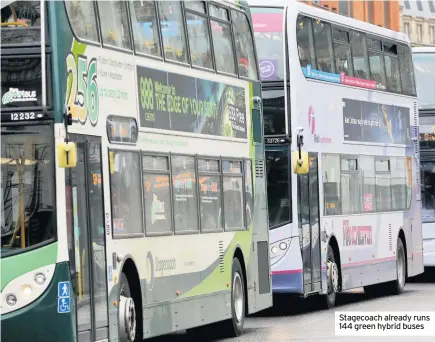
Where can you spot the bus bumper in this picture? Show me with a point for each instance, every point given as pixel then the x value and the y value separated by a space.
pixel 287 281
pixel 39 321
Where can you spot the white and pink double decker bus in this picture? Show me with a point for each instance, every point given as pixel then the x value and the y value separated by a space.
pixel 341 132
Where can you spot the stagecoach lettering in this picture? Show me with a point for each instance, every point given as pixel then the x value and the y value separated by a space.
pixel 165 265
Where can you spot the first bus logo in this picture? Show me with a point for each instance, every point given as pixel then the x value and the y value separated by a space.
pixel 312 120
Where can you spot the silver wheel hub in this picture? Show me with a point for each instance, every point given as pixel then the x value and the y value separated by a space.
pixel 238 297
pixel 127 318
pixel 332 276
pixel 400 270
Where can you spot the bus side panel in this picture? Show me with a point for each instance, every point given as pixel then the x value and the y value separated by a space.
pixel 260 257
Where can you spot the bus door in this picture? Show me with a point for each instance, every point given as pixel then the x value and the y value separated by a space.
pixel 86 239
pixel 309 226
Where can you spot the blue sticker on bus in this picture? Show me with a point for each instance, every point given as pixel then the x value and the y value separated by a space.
pixel 63 305
pixel 110 273
pixel 63 289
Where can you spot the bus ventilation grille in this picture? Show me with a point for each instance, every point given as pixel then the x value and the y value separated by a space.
pixel 259 168
pixel 390 237
pixel 221 257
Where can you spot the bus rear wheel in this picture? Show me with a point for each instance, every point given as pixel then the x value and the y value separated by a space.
pixel 397 286
pixel 234 326
pixel 127 318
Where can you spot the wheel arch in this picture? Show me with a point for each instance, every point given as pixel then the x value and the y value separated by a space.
pixel 128 267
pixel 402 237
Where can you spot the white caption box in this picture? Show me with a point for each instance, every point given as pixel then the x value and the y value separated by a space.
pixel 384 323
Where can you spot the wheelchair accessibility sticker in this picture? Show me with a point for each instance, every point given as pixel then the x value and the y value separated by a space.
pixel 63 297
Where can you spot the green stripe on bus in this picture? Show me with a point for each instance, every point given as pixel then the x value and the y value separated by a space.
pixel 17 265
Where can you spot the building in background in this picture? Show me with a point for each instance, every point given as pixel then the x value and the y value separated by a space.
pixel 381 13
pixel 418 21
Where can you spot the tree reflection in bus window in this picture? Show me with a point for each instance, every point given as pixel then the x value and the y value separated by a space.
pixel 27 198
pixel 360 62
pixel 244 45
pixel 171 22
pixel 114 24
pixel 331 184
pixel 305 42
pixel 223 47
pixel 249 192
pixel 392 73
pixel 145 29
pixel 185 193
pixel 383 185
pixel 376 62
pixel 406 70
pixel 366 165
pixel 125 193
pixel 350 193
pixel 210 185
pixel 198 6
pixel 157 195
pixel 278 181
pixel 323 46
pixel 199 41
pixel 343 59
pixel 428 191
pixel 398 183
pixel 233 194
pixel 83 21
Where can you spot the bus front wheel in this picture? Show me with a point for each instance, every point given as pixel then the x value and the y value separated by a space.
pixel 126 312
pixel 332 278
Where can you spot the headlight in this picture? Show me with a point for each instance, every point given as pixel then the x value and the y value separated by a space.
pixel 283 246
pixel 11 300
pixel 40 279
pixel 26 288
pixel 274 249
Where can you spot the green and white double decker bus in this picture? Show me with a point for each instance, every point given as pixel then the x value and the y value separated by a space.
pixel 132 170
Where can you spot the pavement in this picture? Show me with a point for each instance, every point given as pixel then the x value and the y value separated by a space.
pixel 304 320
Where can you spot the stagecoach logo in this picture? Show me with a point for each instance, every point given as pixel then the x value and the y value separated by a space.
pixel 157 266
pixel 17 95
pixel 312 126
pixel 149 272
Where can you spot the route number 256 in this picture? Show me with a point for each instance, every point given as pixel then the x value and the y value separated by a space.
pixel 82 96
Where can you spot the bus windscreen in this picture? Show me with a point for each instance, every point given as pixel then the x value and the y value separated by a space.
pixel 424 66
pixel 268 30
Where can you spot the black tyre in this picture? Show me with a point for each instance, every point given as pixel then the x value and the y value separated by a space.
pixel 397 286
pixel 332 278
pixel 234 326
pixel 128 325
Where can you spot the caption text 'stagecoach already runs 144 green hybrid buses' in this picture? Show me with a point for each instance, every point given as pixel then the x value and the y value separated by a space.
pixel 132 192
pixel 355 219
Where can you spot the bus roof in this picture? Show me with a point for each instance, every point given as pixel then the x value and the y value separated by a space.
pixel 423 49
pixel 330 16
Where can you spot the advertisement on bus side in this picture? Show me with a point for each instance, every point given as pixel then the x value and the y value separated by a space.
pixel 187 104
pixel 375 123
